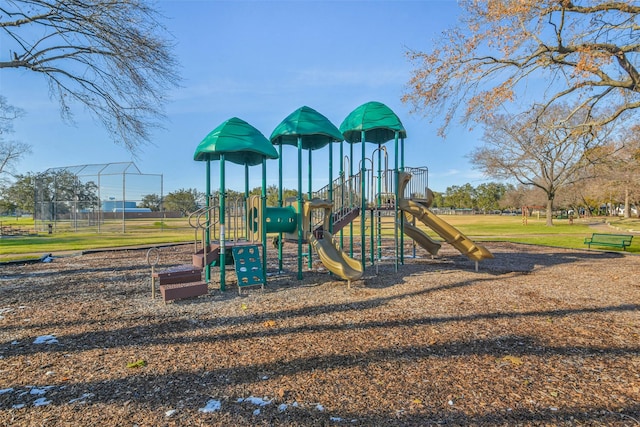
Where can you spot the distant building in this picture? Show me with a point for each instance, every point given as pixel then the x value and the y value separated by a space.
pixel 117 206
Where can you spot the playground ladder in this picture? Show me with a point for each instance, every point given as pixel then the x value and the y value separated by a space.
pixel 385 229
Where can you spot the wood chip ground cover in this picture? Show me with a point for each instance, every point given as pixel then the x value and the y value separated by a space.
pixel 538 336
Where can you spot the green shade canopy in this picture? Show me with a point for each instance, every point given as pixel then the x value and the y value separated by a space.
pixel 315 130
pixel 240 143
pixel 378 121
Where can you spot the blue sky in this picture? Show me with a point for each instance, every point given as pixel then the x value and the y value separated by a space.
pixel 260 61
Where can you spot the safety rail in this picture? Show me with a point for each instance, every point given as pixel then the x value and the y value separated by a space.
pixel 207 218
pixel 203 219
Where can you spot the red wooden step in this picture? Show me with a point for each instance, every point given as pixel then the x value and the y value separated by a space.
pixel 178 274
pixel 183 290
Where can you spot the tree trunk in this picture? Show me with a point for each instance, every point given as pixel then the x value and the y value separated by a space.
pixel 627 205
pixel 549 211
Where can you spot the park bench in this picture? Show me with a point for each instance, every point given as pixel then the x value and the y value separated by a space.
pixel 614 240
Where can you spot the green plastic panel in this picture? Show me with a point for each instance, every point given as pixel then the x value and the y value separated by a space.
pixel 248 266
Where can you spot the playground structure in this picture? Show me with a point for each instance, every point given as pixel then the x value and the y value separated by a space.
pixel 384 202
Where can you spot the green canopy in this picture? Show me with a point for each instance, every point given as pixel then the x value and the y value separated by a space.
pixel 314 128
pixel 240 143
pixel 378 121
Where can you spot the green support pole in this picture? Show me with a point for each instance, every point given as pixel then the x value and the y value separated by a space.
pixel 207 232
pixel 402 169
pixel 379 201
pixel 309 263
pixel 363 169
pixel 246 197
pixel 351 201
pixel 300 215
pixel 263 219
pixel 222 228
pixel 246 180
pixel 373 250
pixel 397 194
pixel 280 204
pixel 331 184
pixel 402 154
pixel 342 181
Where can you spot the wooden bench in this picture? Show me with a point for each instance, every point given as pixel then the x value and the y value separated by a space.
pixel 614 240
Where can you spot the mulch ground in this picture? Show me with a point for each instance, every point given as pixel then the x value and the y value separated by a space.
pixel 537 336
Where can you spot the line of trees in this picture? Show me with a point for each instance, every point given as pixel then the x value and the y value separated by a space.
pixel 187 200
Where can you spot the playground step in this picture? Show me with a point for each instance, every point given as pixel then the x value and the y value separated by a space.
pixel 178 274
pixel 183 290
pixel 213 254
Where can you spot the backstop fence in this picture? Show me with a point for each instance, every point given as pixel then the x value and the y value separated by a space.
pixel 96 197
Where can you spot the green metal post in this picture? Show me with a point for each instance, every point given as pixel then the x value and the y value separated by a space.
pixel 300 215
pixel 207 232
pixel 222 228
pixel 401 219
pixel 342 181
pixel 264 214
pixel 351 201
pixel 363 169
pixel 331 184
pixel 373 250
pixel 309 263
pixel 280 204
pixel 246 180
pixel 402 153
pixel 246 198
pixel 379 201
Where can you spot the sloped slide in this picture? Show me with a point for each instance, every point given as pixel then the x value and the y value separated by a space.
pixel 449 233
pixel 336 260
pixel 421 238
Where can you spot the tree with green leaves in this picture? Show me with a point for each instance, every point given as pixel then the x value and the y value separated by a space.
pixel 460 196
pixel 20 194
pixel 113 57
pixel 272 194
pixel 184 200
pixel 488 196
pixel 151 201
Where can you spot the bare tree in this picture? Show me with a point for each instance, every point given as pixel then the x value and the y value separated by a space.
pixel 621 170
pixel 541 154
pixel 112 56
pixel 10 151
pixel 512 53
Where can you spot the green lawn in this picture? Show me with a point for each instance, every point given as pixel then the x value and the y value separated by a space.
pixel 477 227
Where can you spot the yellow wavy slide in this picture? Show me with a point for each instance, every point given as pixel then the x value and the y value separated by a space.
pixel 336 261
pixel 452 235
pixel 329 252
pixel 421 238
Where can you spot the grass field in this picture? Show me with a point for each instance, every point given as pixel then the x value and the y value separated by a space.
pixel 138 232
